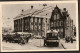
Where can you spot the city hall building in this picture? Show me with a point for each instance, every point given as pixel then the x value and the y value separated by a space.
pixel 32 21
pixel 39 22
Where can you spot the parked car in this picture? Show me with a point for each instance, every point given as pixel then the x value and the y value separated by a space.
pixel 23 37
pixel 17 37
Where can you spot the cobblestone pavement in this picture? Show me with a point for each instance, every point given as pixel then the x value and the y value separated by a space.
pixel 33 44
pixel 69 45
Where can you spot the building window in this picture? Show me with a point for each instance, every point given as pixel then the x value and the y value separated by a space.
pixel 16 23
pixel 35 23
pixel 39 27
pixel 26 28
pixel 39 21
pixel 20 28
pixel 31 19
pixel 25 22
pixel 58 16
pixel 67 28
pixel 61 23
pixel 35 19
pixel 61 30
pixel 56 11
pixel 51 24
pixel 31 24
pixel 57 23
pixel 54 24
pixel 54 17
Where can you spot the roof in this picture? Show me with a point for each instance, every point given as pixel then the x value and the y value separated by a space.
pixel 43 13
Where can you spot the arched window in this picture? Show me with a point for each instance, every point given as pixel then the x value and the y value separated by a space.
pixel 58 16
pixel 56 11
pixel 54 17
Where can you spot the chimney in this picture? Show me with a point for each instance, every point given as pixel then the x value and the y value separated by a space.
pixel 31 6
pixel 22 10
pixel 56 6
pixel 64 9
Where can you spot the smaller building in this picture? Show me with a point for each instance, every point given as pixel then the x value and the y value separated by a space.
pixel 61 21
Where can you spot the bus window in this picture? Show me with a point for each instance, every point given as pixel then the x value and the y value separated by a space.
pixel 49 34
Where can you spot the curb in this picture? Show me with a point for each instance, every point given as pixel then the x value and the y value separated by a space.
pixel 63 46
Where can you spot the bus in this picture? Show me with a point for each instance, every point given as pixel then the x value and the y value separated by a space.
pixel 52 38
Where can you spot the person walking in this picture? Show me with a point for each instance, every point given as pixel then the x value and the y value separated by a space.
pixel 71 40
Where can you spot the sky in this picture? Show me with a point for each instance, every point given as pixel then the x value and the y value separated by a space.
pixel 10 11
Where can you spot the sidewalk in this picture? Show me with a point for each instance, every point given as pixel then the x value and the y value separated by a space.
pixel 69 45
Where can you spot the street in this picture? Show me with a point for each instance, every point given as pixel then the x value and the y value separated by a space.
pixel 33 44
pixel 37 44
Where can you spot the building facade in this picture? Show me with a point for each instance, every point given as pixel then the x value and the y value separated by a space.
pixel 31 23
pixel 61 21
pixel 39 22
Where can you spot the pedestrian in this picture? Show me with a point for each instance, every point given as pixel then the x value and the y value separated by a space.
pixel 27 39
pixel 71 40
pixel 22 42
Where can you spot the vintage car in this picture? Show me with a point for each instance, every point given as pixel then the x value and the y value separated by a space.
pixel 22 37
pixel 51 39
pixel 17 37
pixel 8 37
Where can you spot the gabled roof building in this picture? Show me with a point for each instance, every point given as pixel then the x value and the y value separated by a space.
pixel 61 21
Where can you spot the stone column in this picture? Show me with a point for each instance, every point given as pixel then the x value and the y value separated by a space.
pixel 29 22
pixel 38 25
pixel 19 25
pixel 33 23
pixel 41 25
pixel 45 26
pixel 22 24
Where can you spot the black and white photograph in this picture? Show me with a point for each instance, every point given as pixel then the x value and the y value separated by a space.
pixel 40 26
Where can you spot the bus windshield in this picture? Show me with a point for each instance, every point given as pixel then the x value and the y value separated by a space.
pixel 51 35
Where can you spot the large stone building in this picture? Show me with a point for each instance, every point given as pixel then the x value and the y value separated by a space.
pixel 33 21
pixel 39 21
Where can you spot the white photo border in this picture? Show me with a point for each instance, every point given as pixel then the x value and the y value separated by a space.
pixel 41 2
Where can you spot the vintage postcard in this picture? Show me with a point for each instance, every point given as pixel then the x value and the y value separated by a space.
pixel 39 26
